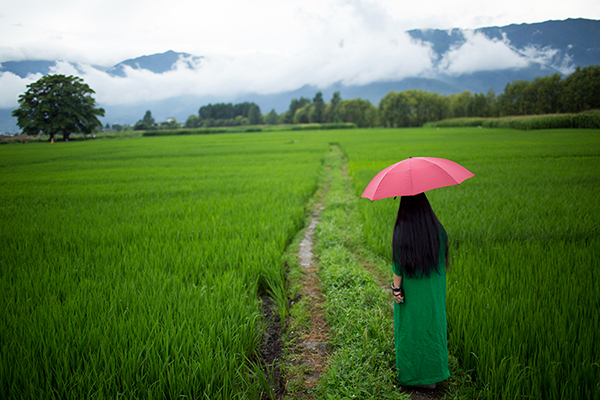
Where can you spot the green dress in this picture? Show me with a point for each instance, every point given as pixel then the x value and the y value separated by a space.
pixel 420 332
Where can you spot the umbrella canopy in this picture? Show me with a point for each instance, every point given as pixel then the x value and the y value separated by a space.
pixel 415 175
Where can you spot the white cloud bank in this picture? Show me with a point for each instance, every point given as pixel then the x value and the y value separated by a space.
pixel 355 59
pixel 246 48
pixel 479 53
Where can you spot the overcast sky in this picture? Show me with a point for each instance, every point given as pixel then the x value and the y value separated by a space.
pixel 260 46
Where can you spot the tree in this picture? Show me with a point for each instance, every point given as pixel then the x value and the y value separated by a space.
pixel 193 121
pixel 581 90
pixel 397 109
pixel 271 118
pixel 459 103
pixel 170 123
pixel 223 111
pixel 301 114
pixel 254 114
pixel 331 107
pixel 361 112
pixel 319 108
pixel 512 101
pixel 145 124
pixel 295 105
pixel 549 92
pixel 58 104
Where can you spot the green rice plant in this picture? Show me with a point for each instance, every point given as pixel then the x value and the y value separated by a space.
pixel 358 311
pixel 584 120
pixel 522 287
pixel 132 268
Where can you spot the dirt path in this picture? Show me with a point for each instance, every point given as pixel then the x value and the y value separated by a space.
pixel 307 356
pixel 310 355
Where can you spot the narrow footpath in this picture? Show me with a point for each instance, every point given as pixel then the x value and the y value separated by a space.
pixel 314 343
pixel 308 352
pixel 361 308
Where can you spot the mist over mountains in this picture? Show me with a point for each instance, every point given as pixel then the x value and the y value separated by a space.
pixel 174 84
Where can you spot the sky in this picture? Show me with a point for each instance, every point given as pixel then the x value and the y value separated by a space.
pixel 260 46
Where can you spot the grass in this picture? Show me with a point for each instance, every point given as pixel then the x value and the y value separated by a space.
pixel 583 120
pixel 359 313
pixel 121 258
pixel 132 268
pixel 249 129
pixel 522 288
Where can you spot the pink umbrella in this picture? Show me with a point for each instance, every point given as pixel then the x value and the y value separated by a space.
pixel 415 175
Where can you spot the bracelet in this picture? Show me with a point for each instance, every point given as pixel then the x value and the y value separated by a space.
pixel 396 289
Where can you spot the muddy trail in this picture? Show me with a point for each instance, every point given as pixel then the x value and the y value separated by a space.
pixel 310 351
pixel 298 364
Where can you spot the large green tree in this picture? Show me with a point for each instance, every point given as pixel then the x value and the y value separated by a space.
pixel 58 104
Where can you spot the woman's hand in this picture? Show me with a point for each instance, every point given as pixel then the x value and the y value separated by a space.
pixel 398 297
pixel 398 294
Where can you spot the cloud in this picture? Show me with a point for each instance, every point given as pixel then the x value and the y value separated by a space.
pixel 318 43
pixel 550 56
pixel 480 53
pixel 12 86
pixel 374 49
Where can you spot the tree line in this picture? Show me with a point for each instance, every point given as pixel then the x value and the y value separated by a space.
pixel 58 104
pixel 551 94
pixel 580 91
pixel 301 111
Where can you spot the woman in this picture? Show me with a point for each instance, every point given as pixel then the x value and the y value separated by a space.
pixel 420 248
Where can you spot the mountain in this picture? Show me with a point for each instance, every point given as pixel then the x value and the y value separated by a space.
pixel 476 60
pixel 157 63
pixel 558 44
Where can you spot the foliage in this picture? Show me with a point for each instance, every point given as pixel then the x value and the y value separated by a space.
pixel 193 121
pixel 301 116
pixel 226 114
pixel 119 127
pixel 318 108
pixel 584 120
pixel 271 118
pixel 522 286
pixel 358 111
pixel 411 108
pixel 120 260
pixel 581 90
pixel 331 107
pixel 145 124
pixel 171 123
pixel 254 115
pixel 578 92
pixel 294 106
pixel 205 131
pixel 58 104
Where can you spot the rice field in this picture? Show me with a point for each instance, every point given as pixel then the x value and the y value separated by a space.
pixel 134 268
pixel 524 284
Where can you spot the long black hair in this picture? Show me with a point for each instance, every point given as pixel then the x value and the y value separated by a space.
pixel 417 237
